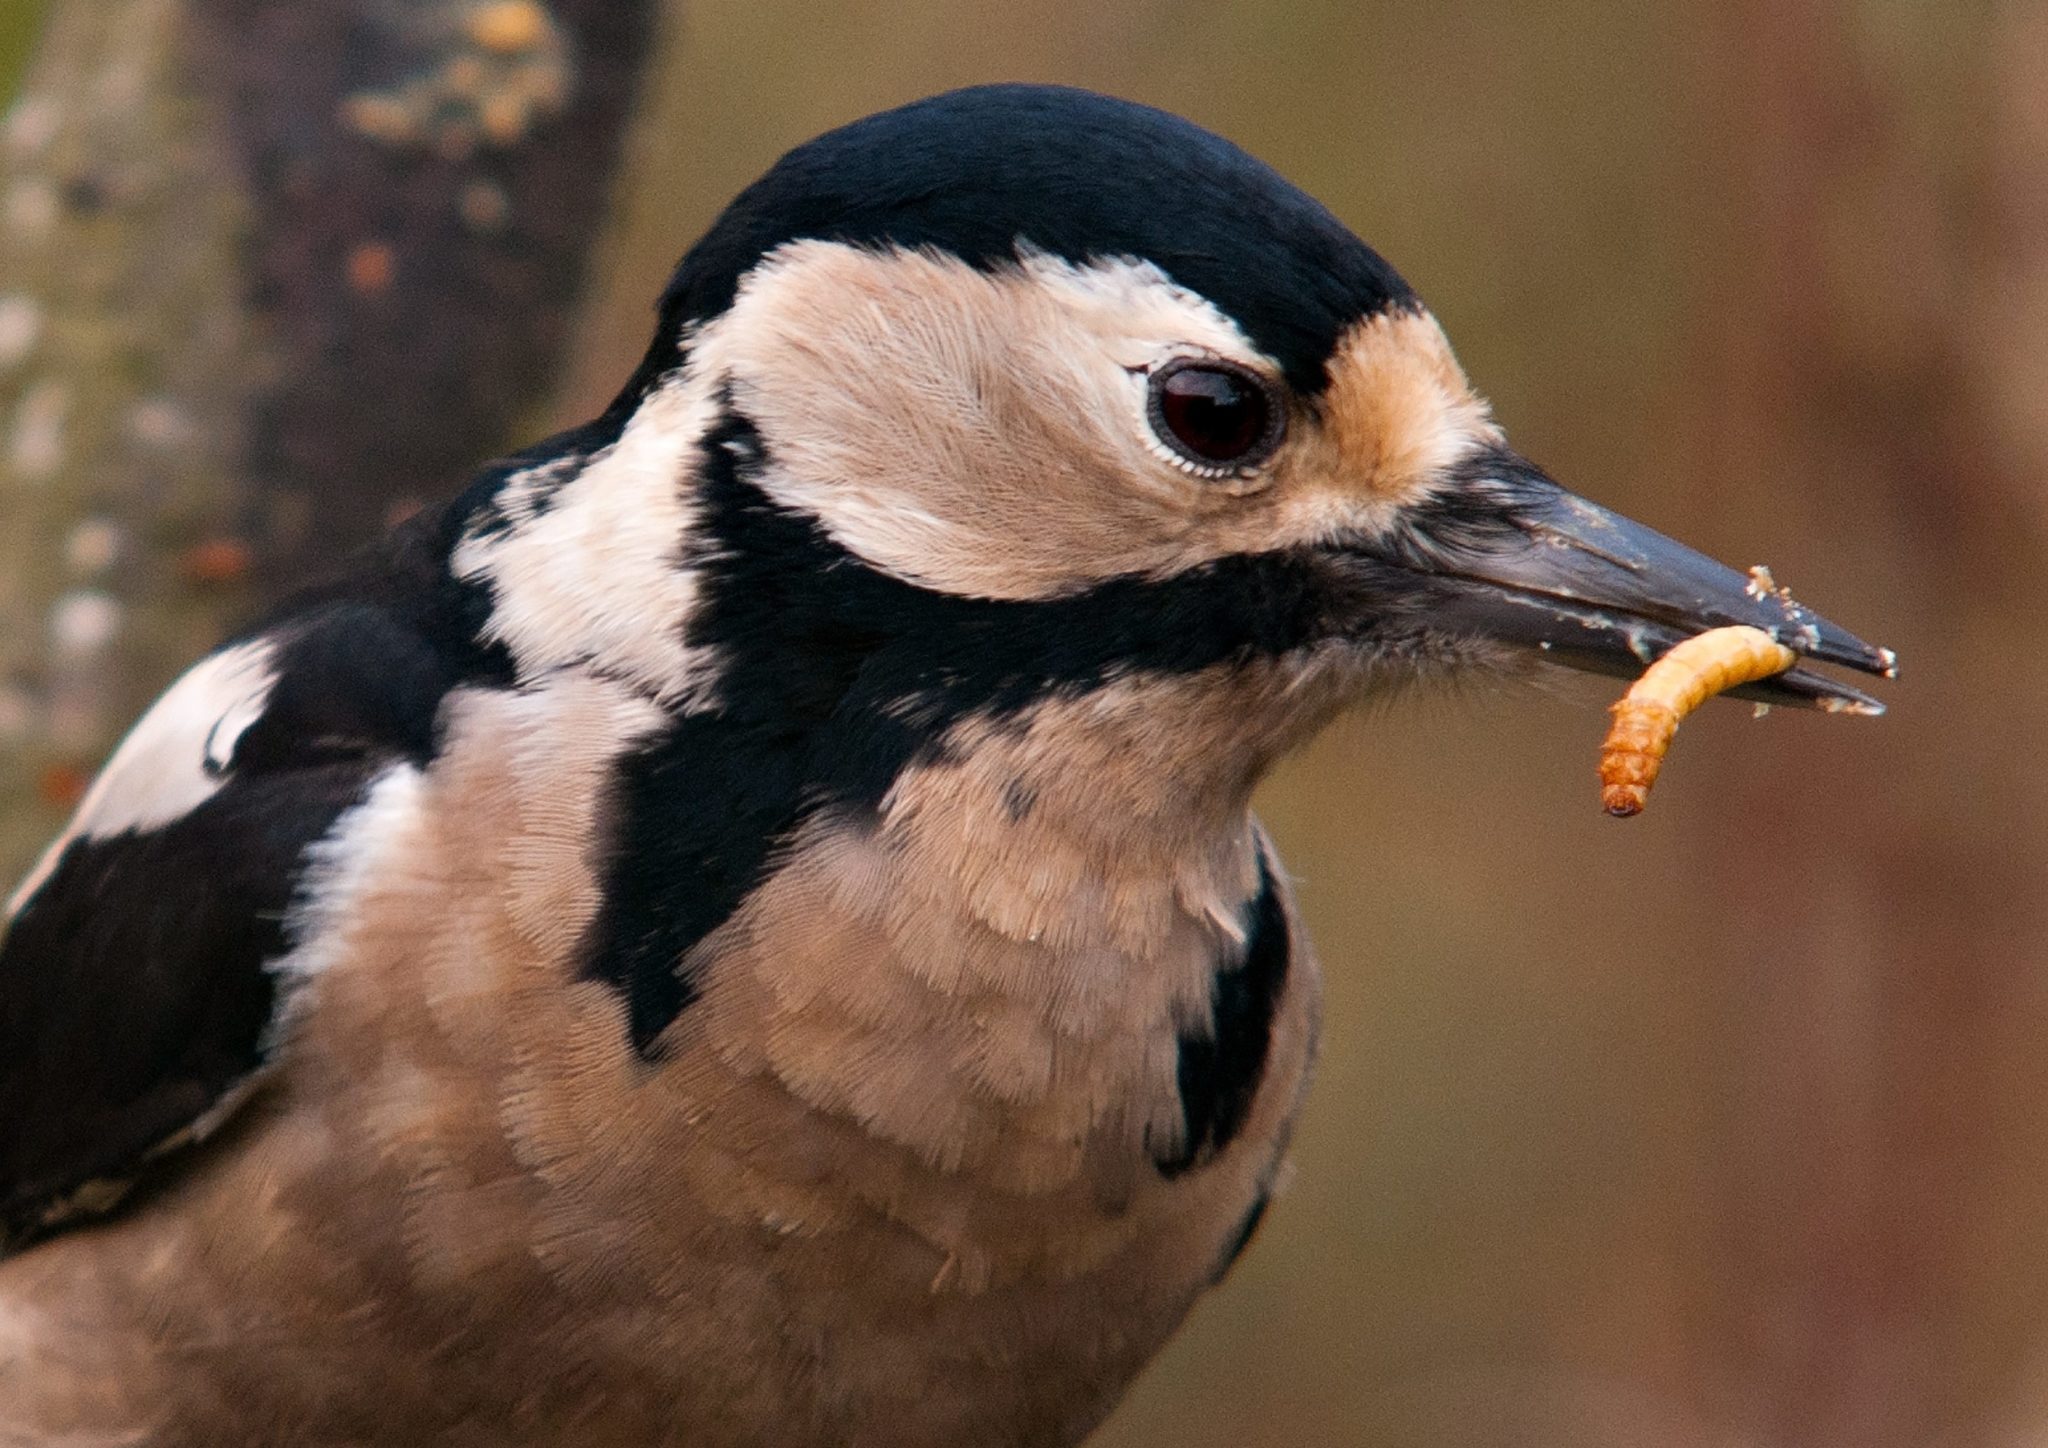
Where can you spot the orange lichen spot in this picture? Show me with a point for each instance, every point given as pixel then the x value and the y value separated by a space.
pixel 1646 718
pixel 62 786
pixel 506 27
pixel 504 117
pixel 484 206
pixel 382 118
pixel 372 267
pixel 465 77
pixel 217 560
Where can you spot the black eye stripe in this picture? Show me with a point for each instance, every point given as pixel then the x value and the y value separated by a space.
pixel 1221 417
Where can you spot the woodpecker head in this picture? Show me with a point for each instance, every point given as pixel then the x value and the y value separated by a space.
pixel 1023 398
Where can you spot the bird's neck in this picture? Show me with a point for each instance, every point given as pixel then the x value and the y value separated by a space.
pixel 1088 819
pixel 998 969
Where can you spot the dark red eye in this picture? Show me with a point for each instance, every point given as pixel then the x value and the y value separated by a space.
pixel 1215 414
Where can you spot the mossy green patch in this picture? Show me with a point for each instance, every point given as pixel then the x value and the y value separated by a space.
pixel 21 21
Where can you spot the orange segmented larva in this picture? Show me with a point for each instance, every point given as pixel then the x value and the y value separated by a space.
pixel 1648 715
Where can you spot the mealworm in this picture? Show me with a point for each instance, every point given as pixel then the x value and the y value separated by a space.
pixel 1648 715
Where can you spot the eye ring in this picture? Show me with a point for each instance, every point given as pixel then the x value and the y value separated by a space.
pixel 1216 418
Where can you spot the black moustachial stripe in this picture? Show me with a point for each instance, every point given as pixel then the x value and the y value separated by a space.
pixel 1222 1064
pixel 1074 175
pixel 836 676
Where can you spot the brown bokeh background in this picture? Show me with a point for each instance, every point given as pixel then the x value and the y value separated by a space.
pixel 1727 1126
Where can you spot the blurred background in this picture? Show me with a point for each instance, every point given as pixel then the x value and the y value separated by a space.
pixel 1727 1126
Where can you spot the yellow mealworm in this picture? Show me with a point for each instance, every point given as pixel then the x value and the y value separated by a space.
pixel 1648 715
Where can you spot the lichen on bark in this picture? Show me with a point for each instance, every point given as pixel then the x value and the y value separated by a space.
pixel 271 271
pixel 125 364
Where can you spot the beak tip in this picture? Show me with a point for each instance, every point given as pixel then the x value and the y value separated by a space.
pixel 1808 634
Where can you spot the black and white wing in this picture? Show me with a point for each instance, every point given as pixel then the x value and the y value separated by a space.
pixel 136 997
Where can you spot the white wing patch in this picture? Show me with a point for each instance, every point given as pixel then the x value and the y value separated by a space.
pixel 338 868
pixel 175 757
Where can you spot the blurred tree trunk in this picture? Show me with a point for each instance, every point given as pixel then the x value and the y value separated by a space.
pixel 1881 1154
pixel 271 271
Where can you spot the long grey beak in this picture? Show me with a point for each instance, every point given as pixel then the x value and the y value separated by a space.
pixel 1599 592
